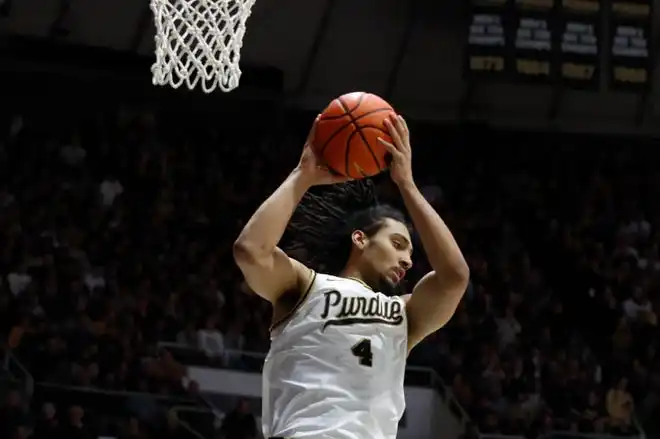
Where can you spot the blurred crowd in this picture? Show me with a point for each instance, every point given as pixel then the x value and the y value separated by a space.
pixel 558 330
pixel 115 233
pixel 116 228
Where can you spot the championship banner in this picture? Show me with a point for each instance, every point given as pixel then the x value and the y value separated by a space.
pixel 488 41
pixel 579 49
pixel 534 41
pixel 630 31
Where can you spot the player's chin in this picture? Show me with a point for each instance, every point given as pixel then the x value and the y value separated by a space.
pixel 390 287
pixel 392 282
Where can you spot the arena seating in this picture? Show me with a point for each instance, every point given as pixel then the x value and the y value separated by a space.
pixel 116 224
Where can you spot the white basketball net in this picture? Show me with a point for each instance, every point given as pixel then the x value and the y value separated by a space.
pixel 199 41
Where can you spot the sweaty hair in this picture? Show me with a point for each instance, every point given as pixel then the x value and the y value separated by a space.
pixel 319 233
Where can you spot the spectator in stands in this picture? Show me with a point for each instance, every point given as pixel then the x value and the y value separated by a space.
pixel 620 407
pixel 592 416
pixel 13 414
pixel 508 328
pixel 73 427
pixel 132 430
pixel 173 428
pixel 240 423
pixel 638 308
pixel 46 425
pixel 211 340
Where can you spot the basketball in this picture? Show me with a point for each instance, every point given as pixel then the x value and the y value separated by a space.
pixel 347 133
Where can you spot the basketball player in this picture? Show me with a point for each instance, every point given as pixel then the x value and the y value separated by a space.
pixel 340 339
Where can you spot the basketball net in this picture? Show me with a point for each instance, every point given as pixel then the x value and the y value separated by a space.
pixel 199 42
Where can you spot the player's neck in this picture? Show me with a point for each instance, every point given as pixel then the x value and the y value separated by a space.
pixel 354 273
pixel 351 271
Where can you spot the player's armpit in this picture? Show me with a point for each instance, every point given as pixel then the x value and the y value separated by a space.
pixel 272 274
pixel 431 305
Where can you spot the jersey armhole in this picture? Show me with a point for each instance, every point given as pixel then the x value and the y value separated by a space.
pixel 297 305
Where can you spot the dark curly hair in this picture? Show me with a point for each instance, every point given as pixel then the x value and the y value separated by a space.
pixel 319 233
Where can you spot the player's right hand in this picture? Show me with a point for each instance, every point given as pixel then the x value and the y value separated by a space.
pixel 312 168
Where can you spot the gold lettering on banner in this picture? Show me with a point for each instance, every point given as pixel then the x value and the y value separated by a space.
pixel 532 67
pixel 577 71
pixel 539 4
pixel 581 5
pixel 630 75
pixel 487 63
pixel 642 10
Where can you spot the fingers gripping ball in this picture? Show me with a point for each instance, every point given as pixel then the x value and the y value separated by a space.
pixel 347 133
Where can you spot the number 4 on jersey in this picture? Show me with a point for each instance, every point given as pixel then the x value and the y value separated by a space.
pixel 362 350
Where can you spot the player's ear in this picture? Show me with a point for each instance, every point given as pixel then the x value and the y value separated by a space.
pixel 359 239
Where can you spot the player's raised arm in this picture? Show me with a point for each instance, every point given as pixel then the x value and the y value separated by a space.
pixel 267 269
pixel 437 295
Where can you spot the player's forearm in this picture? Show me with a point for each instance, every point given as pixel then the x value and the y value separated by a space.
pixel 442 251
pixel 266 227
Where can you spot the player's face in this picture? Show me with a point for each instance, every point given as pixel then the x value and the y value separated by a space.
pixel 386 255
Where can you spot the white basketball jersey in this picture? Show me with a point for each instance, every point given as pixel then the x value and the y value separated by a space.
pixel 335 368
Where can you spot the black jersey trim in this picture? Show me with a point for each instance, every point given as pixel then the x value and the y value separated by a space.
pixel 300 301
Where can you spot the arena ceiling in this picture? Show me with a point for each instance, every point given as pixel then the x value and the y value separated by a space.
pixel 409 51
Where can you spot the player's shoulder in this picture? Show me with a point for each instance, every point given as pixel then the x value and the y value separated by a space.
pixel 330 281
pixel 310 281
pixel 320 281
pixel 331 278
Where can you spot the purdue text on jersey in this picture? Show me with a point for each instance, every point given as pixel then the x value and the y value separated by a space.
pixel 343 310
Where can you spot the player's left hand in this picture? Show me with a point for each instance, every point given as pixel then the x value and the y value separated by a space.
pixel 311 166
pixel 399 149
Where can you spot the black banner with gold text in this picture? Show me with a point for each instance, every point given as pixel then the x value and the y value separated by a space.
pixel 534 41
pixel 566 42
pixel 578 26
pixel 630 52
pixel 488 42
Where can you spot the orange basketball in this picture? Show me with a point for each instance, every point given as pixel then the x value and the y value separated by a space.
pixel 347 135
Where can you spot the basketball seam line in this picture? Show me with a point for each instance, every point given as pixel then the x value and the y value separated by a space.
pixel 370 150
pixel 333 135
pixel 350 122
pixel 376 128
pixel 350 137
pixel 364 139
pixel 348 110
